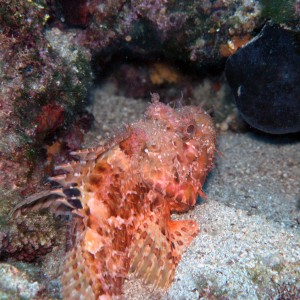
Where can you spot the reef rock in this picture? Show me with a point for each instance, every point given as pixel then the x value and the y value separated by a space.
pixel 17 284
pixel 199 32
pixel 42 87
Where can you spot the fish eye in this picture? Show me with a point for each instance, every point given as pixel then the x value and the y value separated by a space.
pixel 190 130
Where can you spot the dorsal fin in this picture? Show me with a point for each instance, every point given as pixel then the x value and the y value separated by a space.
pixel 95 152
pixel 39 200
pixel 57 200
pixel 60 201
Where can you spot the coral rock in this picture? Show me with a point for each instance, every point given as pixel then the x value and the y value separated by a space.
pixel 16 283
pixel 75 12
pixel 28 240
pixel 50 118
pixel 38 80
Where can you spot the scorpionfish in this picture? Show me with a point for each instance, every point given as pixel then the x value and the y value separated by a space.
pixel 122 195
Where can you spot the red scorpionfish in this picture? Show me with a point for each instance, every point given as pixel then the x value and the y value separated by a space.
pixel 122 196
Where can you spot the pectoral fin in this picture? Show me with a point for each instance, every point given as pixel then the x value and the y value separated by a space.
pixel 157 247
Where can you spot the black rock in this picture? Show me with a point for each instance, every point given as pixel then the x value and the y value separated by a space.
pixel 265 78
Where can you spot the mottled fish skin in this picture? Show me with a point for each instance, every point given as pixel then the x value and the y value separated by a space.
pixel 123 195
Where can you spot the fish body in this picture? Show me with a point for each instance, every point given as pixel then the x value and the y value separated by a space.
pixel 123 195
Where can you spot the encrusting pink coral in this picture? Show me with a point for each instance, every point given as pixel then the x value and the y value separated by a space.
pixel 122 196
